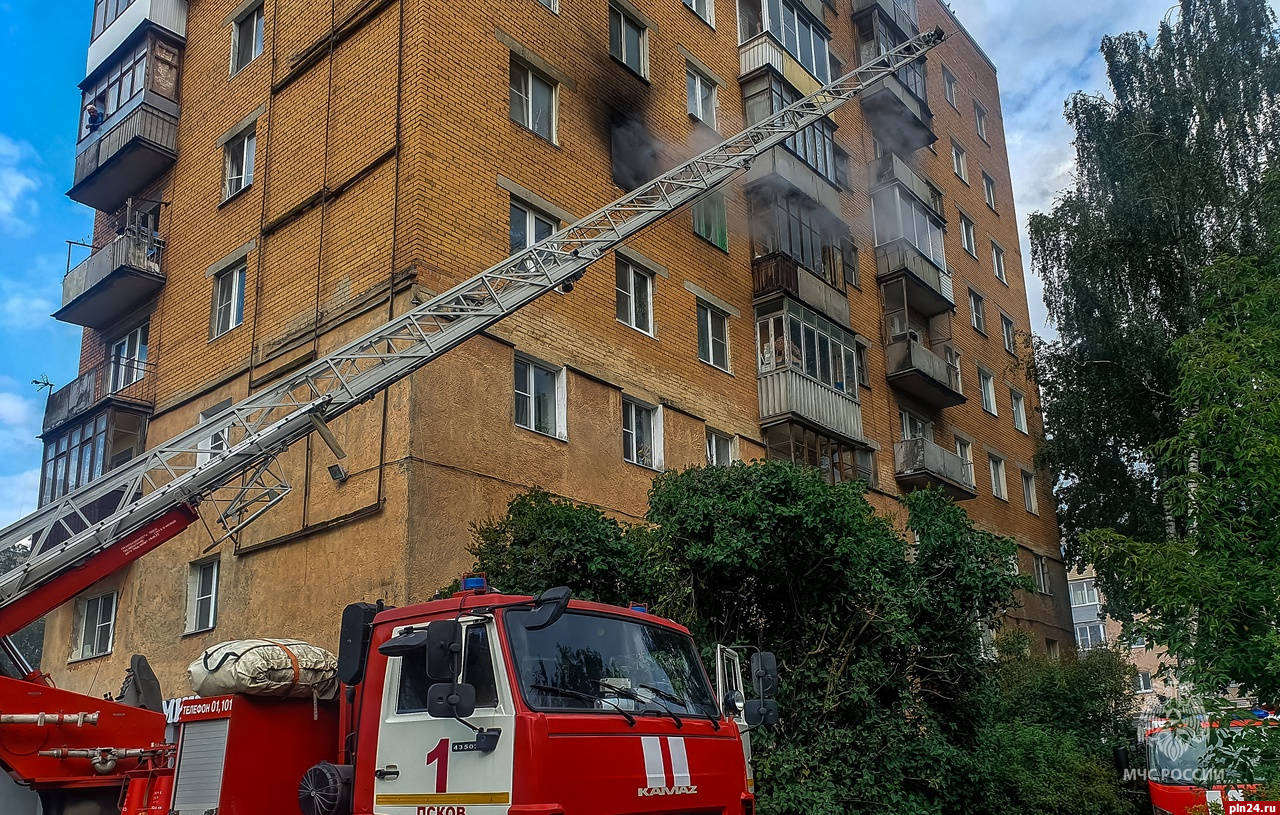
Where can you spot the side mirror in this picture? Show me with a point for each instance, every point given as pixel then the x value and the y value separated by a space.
pixel 444 649
pixel 547 608
pixel 762 711
pixel 353 641
pixel 1120 755
pixel 764 674
pixel 446 700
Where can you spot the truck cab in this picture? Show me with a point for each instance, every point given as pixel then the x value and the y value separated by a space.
pixel 484 704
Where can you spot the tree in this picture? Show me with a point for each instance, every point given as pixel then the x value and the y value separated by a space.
pixel 30 640
pixel 886 696
pixel 1169 174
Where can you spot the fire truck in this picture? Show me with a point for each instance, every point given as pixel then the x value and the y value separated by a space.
pixel 480 703
pixel 1180 778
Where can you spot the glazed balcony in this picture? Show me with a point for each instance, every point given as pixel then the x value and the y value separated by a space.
pixel 902 13
pixel 929 289
pixel 113 281
pixel 110 34
pixel 129 383
pixel 786 393
pixel 896 115
pixel 890 169
pixel 116 163
pixel 916 370
pixel 765 50
pixel 920 463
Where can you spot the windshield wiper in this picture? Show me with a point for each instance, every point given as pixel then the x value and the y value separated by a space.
pixel 676 700
pixel 628 693
pixel 586 697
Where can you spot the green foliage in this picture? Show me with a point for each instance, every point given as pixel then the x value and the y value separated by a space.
pixel 30 640
pixel 885 696
pixel 1169 175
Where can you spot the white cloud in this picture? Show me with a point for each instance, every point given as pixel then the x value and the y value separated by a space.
pixel 17 181
pixel 27 298
pixel 18 495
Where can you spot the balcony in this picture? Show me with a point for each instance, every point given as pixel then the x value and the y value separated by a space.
pixel 115 165
pixel 113 281
pixel 128 383
pixel 897 116
pixel 890 169
pixel 902 14
pixel 762 50
pixel 929 289
pixel 779 273
pixel 168 15
pixel 916 370
pixel 786 393
pixel 779 168
pixel 921 463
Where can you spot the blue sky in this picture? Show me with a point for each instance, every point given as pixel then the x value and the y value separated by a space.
pixel 1044 50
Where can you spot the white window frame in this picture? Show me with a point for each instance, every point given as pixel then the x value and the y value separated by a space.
pixel 1088 590
pixel 228 298
pixel 89 634
pixel 989 191
pixel 1142 682
pixel 1041 569
pixel 968 235
pixel 241 149
pixel 210 446
pixel 631 415
pixel 999 487
pixel 914 427
pixel 997 262
pixel 977 311
pixel 707 11
pixel 964 449
pixel 129 357
pixel 701 93
pixel 252 22
pixel 558 396
pixel 720 449
pixel 1029 493
pixel 1009 334
pixel 987 385
pixel 626 297
pixel 532 217
pixel 980 119
pixel 708 316
pixel 195 572
pixel 960 161
pixel 619 49
pixel 524 97
pixel 1018 407
pixel 1089 630
pixel 949 86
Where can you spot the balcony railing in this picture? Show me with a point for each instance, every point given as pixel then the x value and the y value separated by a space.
pixel 786 392
pixel 118 164
pixel 763 49
pixel 889 169
pixel 896 115
pixel 930 290
pixel 130 381
pixel 921 463
pixel 915 369
pixel 904 14
pixel 113 281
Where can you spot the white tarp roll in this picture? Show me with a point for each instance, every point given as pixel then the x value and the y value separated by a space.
pixel 265 668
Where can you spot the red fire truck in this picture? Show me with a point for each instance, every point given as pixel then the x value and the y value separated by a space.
pixel 1180 778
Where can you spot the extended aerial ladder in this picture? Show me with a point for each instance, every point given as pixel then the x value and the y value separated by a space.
pixel 97 529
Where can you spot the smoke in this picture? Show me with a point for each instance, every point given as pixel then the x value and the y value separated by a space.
pixel 635 152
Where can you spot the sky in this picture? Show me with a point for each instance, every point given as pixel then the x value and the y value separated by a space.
pixel 1043 49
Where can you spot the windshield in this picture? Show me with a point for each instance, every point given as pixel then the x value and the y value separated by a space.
pixel 596 662
pixel 1182 755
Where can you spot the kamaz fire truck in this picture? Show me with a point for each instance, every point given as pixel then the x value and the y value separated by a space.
pixel 476 704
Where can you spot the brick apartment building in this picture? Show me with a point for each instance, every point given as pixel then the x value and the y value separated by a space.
pixel 275 177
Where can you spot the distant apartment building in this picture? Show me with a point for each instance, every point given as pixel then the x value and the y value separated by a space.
pixel 273 178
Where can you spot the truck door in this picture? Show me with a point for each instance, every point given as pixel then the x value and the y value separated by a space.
pixel 429 766
pixel 729 678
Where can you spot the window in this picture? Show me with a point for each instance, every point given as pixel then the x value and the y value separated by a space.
pixel 913 427
pixel 97 624
pixel 1084 593
pixel 997 477
pixel 1043 583
pixel 634 290
pixel 75 459
pixel 533 100
pixel 980 119
pixel 719 449
pixel 202 596
pixel 987 383
pixel 964 449
pixel 701 95
pixel 1142 682
pixel 1051 648
pixel 105 12
pixel 703 8
pixel 641 434
pixel 876 37
pixel 968 237
pixel 949 86
pixel 115 88
pixel 898 215
pixel 129 358
pixel 765 95
pixel 539 393
pixel 1029 492
pixel 997 262
pixel 627 40
pixel 228 299
pixel 711 220
pixel 791 336
pixel 790 24
pixel 803 231
pixel 1090 636
pixel 238 163
pixel 477 671
pixel 1019 404
pixel 839 461
pixel 860 355
pixel 1138 642
pixel 246 40
pixel 960 162
pixel 529 226
pixel 713 336
pixel 977 313
pixel 216 443
pixel 1009 335
pixel 989 190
